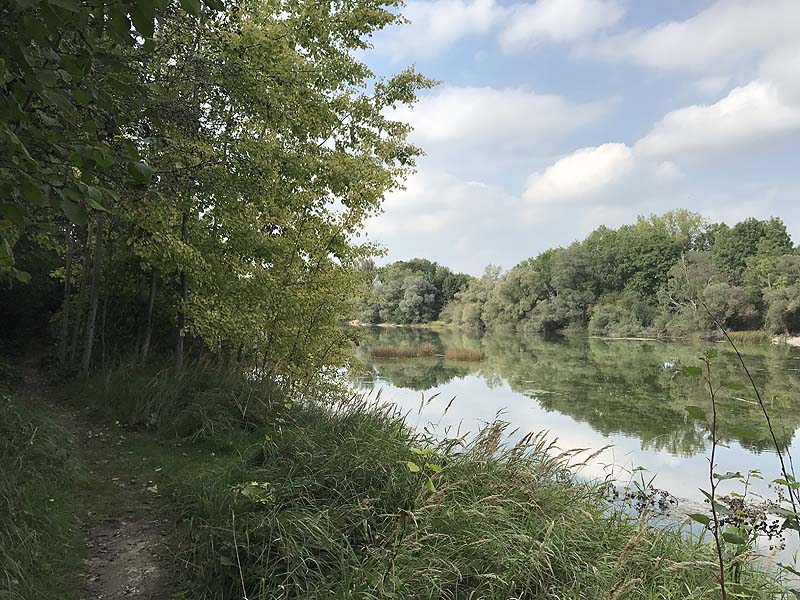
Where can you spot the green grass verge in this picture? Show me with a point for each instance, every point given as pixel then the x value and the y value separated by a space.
pixel 41 544
pixel 345 501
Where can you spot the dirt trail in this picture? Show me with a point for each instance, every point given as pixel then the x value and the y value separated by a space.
pixel 124 532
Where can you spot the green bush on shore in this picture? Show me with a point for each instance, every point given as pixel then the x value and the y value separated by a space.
pixel 343 500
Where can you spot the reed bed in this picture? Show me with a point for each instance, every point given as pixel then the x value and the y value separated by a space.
pixel 418 351
pixel 750 337
pixel 465 354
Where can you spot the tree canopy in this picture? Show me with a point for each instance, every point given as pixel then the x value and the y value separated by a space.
pixel 196 168
pixel 661 275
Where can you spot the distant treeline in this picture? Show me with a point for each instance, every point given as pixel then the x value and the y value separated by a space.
pixel 407 292
pixel 656 277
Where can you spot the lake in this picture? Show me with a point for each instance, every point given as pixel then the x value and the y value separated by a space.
pixel 591 393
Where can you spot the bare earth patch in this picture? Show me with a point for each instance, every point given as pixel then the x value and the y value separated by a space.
pixel 125 534
pixel 124 537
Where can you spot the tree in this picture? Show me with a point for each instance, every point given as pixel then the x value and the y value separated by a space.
pixel 783 310
pixel 255 144
pixel 733 246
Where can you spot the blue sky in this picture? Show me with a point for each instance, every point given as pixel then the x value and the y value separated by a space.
pixel 557 116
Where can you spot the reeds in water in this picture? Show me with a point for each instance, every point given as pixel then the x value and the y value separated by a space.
pixel 418 351
pixel 465 354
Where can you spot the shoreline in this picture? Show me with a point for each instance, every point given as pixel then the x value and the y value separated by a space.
pixel 775 340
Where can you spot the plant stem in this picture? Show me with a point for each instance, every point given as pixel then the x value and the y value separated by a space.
pixel 711 464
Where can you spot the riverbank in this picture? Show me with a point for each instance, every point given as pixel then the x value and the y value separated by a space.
pixel 337 497
pixel 749 336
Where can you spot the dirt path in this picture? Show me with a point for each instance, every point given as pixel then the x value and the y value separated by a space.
pixel 125 533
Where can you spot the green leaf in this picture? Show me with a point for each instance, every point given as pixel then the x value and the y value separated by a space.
pixel 700 518
pixel 691 371
pixel 75 212
pixel 22 276
pixel 70 5
pixel 734 538
pixel 412 466
pixel 696 412
pixel 141 172
pixel 433 467
pixel 728 475
pixel 80 97
pixel 143 14
pixel 431 487
pixel 191 6
pixel 790 569
pixel 13 213
pixel 32 192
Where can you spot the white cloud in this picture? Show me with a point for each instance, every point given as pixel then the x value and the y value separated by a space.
pixel 435 25
pixel 441 216
pixel 583 172
pixel 488 117
pixel 557 21
pixel 716 39
pixel 782 67
pixel 746 116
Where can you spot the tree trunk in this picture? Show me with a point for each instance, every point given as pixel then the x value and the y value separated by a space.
pixel 106 294
pixel 148 331
pixel 184 292
pixel 62 350
pixel 94 296
pixel 76 329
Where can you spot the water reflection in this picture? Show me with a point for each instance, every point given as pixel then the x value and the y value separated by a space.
pixel 617 387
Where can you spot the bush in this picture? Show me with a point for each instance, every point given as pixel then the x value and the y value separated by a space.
pixel 196 402
pixel 612 320
pixel 783 310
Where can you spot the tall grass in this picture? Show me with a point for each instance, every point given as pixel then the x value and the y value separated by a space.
pixel 466 354
pixel 345 501
pixel 40 537
pixel 421 350
pixel 196 402
pixel 750 337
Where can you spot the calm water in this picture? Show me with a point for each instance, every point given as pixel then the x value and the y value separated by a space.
pixel 590 393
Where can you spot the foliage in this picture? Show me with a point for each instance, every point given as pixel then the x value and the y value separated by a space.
pixel 406 292
pixel 215 165
pixel 783 309
pixel 653 277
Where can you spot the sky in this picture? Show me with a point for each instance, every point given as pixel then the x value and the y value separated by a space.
pixel 554 117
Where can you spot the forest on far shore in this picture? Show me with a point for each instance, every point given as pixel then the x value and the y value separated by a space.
pixel 662 275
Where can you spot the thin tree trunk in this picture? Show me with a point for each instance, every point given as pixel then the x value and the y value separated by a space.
pixel 62 350
pixel 148 331
pixel 184 292
pixel 95 295
pixel 106 294
pixel 76 329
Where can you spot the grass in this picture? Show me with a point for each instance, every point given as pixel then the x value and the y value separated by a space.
pixel 40 537
pixel 421 350
pixel 343 500
pixel 466 354
pixel 751 337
